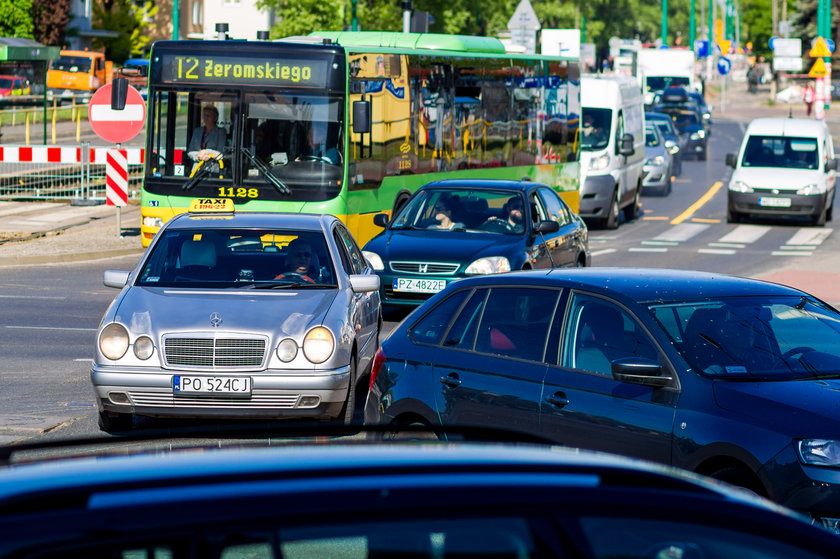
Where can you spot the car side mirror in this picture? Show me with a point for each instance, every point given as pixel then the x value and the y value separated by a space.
pixel 625 146
pixel 638 370
pixel 731 160
pixel 361 283
pixel 115 278
pixel 544 227
pixel 381 220
pixel 831 164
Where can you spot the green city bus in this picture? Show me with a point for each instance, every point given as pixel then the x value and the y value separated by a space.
pixel 351 123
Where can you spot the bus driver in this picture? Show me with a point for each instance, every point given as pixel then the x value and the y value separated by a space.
pixel 208 141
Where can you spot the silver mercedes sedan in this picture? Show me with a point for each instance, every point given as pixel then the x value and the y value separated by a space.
pixel 232 315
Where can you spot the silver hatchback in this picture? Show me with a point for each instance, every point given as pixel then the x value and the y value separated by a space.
pixel 239 315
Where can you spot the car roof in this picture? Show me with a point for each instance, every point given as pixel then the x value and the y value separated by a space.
pixel 247 220
pixel 484 184
pixel 639 285
pixel 787 127
pixel 654 115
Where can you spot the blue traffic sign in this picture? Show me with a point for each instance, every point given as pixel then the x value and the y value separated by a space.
pixel 701 48
pixel 771 42
pixel 830 44
pixel 723 65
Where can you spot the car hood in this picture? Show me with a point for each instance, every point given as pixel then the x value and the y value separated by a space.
pixel 786 406
pixel 778 177
pixel 445 246
pixel 162 310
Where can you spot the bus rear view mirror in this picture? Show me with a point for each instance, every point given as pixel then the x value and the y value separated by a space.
pixel 119 92
pixel 361 117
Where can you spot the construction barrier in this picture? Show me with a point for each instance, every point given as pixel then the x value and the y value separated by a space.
pixel 62 172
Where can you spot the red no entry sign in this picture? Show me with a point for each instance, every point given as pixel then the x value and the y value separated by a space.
pixel 116 126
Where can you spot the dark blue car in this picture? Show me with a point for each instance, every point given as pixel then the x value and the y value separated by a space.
pixel 732 378
pixel 454 229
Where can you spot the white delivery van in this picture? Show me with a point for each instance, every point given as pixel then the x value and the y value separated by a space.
pixel 659 69
pixel 612 143
pixel 785 167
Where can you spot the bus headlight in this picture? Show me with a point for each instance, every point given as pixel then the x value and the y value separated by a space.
pixel 374 259
pixel 149 221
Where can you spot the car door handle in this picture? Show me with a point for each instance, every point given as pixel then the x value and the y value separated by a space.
pixel 451 380
pixel 558 399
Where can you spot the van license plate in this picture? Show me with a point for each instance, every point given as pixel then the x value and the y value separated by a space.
pixel 182 384
pixel 419 285
pixel 774 202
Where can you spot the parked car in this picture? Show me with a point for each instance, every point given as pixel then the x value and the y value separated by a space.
pixel 239 315
pixel 11 86
pixel 454 229
pixel 785 167
pixel 673 140
pixel 732 378
pixel 368 500
pixel 656 177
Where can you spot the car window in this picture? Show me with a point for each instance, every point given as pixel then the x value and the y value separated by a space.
pixel 357 261
pixel 651 137
pixel 555 207
pixel 463 332
pixel 346 263
pixel 598 333
pixel 538 212
pixel 515 322
pixel 433 324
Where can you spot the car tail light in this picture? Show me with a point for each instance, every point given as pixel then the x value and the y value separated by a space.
pixel 376 366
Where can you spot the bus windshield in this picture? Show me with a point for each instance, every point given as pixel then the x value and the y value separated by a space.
pixel 273 145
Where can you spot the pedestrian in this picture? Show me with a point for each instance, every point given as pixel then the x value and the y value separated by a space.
pixel 809 96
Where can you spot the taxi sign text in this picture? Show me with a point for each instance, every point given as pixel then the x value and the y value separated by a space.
pixel 211 205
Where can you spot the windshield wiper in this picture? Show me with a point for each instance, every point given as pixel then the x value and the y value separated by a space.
pixel 265 170
pixel 291 285
pixel 201 173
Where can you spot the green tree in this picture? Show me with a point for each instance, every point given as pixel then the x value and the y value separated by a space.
pixel 16 19
pixel 129 21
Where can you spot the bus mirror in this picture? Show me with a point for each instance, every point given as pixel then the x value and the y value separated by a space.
pixel 361 117
pixel 119 92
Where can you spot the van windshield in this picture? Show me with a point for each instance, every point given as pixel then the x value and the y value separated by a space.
pixel 595 131
pixel 780 151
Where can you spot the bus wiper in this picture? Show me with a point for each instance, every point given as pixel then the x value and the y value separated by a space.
pixel 202 172
pixel 281 187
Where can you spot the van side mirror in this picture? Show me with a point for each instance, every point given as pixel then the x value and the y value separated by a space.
pixel 381 220
pixel 361 117
pixel 625 146
pixel 731 160
pixel 831 164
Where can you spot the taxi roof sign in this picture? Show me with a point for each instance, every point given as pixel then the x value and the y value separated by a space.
pixel 211 205
pixel 818 70
pixel 820 49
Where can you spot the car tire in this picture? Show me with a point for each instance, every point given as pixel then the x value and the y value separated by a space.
pixel 701 156
pixel 611 221
pixel 348 412
pixel 632 211
pixel 733 217
pixel 820 219
pixel 115 422
pixel 734 475
pixel 412 435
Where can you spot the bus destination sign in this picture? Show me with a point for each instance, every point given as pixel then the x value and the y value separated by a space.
pixel 242 71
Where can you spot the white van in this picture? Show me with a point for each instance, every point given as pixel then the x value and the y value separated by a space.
pixel 612 143
pixel 785 167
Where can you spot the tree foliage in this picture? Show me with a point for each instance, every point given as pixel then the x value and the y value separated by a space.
pixel 16 19
pixel 129 21
pixel 50 19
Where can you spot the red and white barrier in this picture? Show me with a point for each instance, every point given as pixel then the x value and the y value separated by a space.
pixel 116 178
pixel 59 154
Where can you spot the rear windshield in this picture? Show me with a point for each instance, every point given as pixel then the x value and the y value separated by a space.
pixel 780 151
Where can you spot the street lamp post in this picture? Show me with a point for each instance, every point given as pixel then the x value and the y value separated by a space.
pixel 664 22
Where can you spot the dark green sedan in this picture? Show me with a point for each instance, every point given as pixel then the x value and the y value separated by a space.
pixel 454 229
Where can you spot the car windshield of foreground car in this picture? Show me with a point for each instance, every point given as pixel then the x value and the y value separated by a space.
pixel 238 258
pixel 755 338
pixel 781 151
pixel 472 210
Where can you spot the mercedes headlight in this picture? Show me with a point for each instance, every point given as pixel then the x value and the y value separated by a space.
pixel 374 259
pixel 143 347
pixel 658 160
pixel 809 190
pixel 739 186
pixel 489 265
pixel 819 452
pixel 599 163
pixel 287 350
pixel 699 135
pixel 113 341
pixel 318 345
